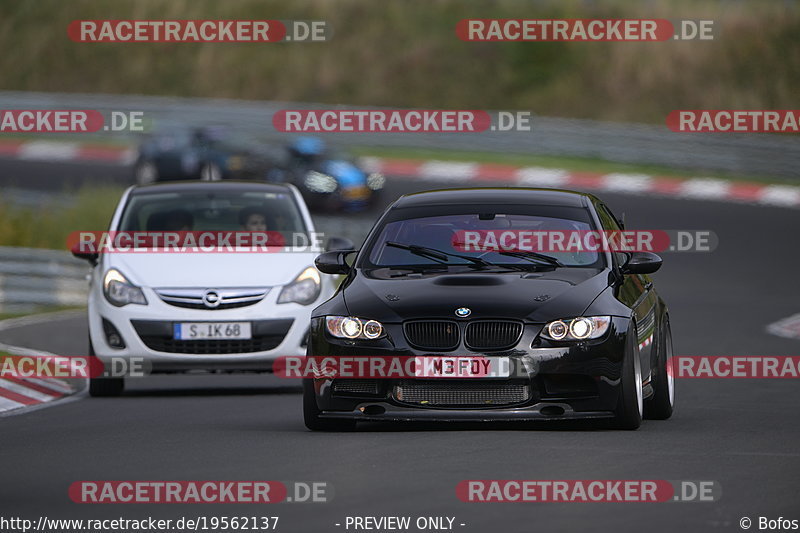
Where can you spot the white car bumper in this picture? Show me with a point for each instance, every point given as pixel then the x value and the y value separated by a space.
pixel 277 330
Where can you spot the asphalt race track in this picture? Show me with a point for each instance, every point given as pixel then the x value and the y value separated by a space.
pixel 741 433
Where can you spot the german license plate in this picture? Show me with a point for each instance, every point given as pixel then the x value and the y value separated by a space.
pixel 462 367
pixel 195 331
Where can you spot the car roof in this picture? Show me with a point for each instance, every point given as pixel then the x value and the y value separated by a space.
pixel 200 186
pixel 499 195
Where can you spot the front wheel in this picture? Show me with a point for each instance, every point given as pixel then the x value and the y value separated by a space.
pixel 660 405
pixel 311 413
pixel 103 387
pixel 630 406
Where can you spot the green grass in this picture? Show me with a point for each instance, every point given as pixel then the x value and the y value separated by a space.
pixel 406 54
pixel 576 164
pixel 49 225
pixel 39 310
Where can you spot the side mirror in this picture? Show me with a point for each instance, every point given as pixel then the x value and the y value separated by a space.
pixel 333 262
pixel 339 244
pixel 642 263
pixel 92 257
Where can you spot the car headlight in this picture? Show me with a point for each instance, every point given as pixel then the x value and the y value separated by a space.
pixel 319 182
pixel 350 327
pixel 119 291
pixel 376 181
pixel 576 329
pixel 303 290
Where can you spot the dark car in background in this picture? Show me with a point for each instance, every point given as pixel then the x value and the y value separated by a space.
pixel 330 180
pixel 208 153
pixel 581 334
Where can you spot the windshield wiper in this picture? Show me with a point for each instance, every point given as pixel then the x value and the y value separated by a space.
pixel 438 255
pixel 534 256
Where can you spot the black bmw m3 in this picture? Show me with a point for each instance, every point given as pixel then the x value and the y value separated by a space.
pixel 512 332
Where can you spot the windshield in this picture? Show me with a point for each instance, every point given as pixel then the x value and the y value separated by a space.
pixel 411 242
pixel 213 211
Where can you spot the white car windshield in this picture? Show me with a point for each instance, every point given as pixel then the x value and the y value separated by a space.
pixel 211 211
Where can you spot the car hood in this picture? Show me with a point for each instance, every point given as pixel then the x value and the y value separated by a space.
pixel 535 297
pixel 242 269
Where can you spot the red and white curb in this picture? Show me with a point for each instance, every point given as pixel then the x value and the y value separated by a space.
pixel 18 393
pixel 454 172
pixel 66 151
pixel 684 188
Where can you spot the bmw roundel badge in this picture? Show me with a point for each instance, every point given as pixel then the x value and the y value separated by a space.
pixel 463 312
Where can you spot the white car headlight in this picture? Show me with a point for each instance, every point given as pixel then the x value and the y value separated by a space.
pixel 350 327
pixel 303 290
pixel 119 291
pixel 576 329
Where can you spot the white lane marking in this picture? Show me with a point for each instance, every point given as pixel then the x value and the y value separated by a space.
pixel 48 150
pixel 25 391
pixel 633 183
pixel 780 195
pixel 709 188
pixel 542 177
pixel 6 404
pixel 448 171
pixel 788 327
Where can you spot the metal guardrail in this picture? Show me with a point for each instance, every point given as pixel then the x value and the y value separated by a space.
pixel 31 279
pixel 755 154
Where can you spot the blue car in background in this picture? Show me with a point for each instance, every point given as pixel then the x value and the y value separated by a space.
pixel 329 180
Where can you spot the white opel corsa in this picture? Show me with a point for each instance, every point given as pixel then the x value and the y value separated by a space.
pixel 219 311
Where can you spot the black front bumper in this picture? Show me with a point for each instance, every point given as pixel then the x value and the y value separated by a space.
pixel 566 381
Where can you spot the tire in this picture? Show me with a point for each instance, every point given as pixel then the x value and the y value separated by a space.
pixel 628 414
pixel 145 172
pixel 661 404
pixel 104 387
pixel 311 413
pixel 210 172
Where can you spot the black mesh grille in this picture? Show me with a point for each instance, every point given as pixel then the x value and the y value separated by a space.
pixel 460 393
pixel 205 347
pixel 492 334
pixel 158 335
pixel 432 335
pixel 356 386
